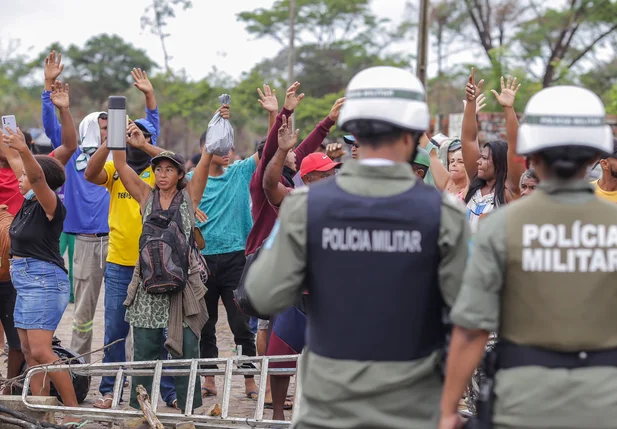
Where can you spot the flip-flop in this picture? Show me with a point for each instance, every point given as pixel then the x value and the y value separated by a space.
pixel 206 393
pixel 288 405
pixel 101 403
pixel 252 395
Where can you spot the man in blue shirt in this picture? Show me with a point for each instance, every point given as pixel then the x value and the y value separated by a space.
pixel 226 201
pixel 87 207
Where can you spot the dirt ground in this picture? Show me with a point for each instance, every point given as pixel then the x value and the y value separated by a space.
pixel 240 405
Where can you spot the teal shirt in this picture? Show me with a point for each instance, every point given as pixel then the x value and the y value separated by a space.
pixel 227 202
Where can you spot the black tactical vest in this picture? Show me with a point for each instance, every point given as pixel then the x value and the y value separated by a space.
pixel 372 274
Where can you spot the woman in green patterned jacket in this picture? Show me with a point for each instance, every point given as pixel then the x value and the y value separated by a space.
pixel 182 313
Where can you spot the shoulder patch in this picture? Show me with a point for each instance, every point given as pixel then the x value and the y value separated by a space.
pixel 270 240
pixel 145 175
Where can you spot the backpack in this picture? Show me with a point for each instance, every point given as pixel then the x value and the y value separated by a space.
pixel 164 251
pixel 5 244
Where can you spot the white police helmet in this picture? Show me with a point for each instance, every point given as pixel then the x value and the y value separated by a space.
pixel 381 99
pixel 564 116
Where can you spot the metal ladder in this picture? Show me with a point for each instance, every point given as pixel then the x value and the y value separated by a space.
pixel 190 367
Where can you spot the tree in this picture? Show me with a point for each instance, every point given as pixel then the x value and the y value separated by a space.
pixel 334 39
pixel 559 39
pixel 162 10
pixel 447 22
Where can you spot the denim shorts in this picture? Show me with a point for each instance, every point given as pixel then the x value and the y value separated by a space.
pixel 42 293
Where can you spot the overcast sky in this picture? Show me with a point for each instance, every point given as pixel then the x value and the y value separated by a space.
pixel 205 36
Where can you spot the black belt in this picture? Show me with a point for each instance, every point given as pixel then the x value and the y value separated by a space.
pixel 97 235
pixel 512 356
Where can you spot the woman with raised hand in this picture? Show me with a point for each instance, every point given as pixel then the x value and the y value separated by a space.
pixel 167 290
pixel 37 268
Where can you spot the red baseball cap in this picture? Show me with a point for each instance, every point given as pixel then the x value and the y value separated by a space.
pixel 317 162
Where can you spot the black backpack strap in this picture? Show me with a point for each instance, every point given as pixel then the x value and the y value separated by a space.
pixel 156 200
pixel 176 202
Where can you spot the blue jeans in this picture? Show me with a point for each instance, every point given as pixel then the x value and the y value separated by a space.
pixel 117 280
pixel 253 324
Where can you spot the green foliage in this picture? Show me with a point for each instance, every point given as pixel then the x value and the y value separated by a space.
pixel 318 21
pixel 611 106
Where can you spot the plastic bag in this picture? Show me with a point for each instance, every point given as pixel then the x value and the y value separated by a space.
pixel 220 134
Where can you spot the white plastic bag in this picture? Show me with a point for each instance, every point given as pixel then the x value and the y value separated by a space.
pixel 220 135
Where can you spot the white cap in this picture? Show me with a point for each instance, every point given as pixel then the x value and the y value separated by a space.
pixel 564 116
pixel 389 96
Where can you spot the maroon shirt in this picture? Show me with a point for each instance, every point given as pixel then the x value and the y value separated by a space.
pixel 264 215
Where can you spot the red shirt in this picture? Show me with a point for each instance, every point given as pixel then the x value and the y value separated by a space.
pixel 9 190
pixel 264 215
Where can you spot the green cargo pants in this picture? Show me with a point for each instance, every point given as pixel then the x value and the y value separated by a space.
pixel 147 345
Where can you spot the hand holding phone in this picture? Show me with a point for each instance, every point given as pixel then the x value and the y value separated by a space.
pixel 9 122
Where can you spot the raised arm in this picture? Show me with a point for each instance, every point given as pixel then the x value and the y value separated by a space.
pixel 95 171
pixel 506 100
pixel 144 85
pixel 273 188
pixel 60 98
pixel 291 102
pixel 267 100
pixel 53 129
pixel 138 189
pixel 15 141
pixel 198 182
pixel 318 135
pixel 469 133
pixel 441 176
pixel 13 158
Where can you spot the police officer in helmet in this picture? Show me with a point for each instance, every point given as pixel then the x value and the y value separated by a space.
pixel 381 255
pixel 542 275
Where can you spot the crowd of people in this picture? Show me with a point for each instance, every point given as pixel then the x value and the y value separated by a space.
pixel 334 248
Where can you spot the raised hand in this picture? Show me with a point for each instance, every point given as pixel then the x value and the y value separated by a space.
pixel 291 99
pixel 335 150
pixel 480 103
pixel 508 92
pixel 141 81
pixel 15 140
pixel 336 109
pixel 53 66
pixel 134 136
pixel 225 111
pixel 60 95
pixel 472 91
pixel 287 139
pixel 267 99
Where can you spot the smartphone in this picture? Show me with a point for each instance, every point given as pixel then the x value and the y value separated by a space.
pixel 127 121
pixel 9 122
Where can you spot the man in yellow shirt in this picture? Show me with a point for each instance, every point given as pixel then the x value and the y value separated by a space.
pixel 606 186
pixel 125 226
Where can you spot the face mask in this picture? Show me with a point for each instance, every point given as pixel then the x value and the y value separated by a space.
pixel 29 195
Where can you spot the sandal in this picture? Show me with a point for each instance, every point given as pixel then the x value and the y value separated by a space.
pixel 206 393
pixel 105 402
pixel 287 406
pixel 174 404
pixel 252 395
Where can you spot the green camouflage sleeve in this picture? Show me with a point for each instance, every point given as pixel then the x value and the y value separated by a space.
pixel 276 278
pixel 477 306
pixel 454 236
